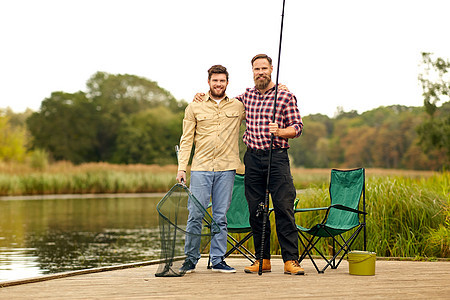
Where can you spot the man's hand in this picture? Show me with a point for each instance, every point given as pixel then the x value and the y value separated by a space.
pixel 283 87
pixel 287 133
pixel 273 128
pixel 199 97
pixel 181 176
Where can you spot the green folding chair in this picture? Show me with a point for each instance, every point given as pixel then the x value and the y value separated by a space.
pixel 238 218
pixel 343 215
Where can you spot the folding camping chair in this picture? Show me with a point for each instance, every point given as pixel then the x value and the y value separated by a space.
pixel 346 189
pixel 238 221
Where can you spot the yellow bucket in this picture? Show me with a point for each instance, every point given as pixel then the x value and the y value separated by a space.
pixel 361 262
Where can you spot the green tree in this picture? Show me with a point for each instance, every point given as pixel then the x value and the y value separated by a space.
pixel 63 127
pixel 358 147
pixel 12 140
pixel 116 97
pixel 383 137
pixel 149 137
pixel 17 119
pixel 84 127
pixel 434 132
pixel 303 150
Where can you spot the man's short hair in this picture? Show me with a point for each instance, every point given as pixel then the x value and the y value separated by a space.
pixel 217 69
pixel 265 56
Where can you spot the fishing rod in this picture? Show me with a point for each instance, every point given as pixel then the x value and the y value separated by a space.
pixel 266 200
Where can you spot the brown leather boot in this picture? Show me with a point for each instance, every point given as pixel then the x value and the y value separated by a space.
pixel 293 267
pixel 254 268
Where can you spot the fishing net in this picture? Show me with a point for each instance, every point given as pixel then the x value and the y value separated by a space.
pixel 174 210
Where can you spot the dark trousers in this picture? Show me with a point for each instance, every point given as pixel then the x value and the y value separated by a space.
pixel 282 190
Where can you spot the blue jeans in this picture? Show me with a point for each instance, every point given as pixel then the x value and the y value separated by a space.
pixel 206 186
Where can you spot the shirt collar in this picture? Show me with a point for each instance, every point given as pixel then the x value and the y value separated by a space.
pixel 269 90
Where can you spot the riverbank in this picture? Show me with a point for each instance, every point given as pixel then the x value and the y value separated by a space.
pixel 82 196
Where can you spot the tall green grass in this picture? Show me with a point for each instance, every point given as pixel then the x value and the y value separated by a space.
pixel 407 217
pixel 87 178
pixel 81 183
pixel 404 212
pixel 40 178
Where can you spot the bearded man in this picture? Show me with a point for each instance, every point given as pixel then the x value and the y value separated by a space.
pixel 213 126
pixel 258 102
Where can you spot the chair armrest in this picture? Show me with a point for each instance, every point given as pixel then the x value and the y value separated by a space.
pixel 342 207
pixel 309 209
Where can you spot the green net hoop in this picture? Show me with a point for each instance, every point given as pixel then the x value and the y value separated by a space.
pixel 173 215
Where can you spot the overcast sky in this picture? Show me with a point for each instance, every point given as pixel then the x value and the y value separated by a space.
pixel 357 54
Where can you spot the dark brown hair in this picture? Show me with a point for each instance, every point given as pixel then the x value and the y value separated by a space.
pixel 217 69
pixel 265 56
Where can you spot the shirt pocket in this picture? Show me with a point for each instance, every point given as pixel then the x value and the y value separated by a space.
pixel 205 123
pixel 232 114
pixel 204 117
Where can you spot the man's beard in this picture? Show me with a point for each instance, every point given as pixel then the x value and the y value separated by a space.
pixel 263 83
pixel 214 94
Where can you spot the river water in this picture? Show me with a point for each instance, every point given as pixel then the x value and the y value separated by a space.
pixel 56 235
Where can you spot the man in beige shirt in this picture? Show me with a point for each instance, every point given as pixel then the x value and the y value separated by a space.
pixel 213 127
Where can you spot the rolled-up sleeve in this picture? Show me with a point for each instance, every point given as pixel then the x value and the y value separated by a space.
pixel 187 139
pixel 293 117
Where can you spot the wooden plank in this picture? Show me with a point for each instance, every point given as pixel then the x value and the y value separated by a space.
pixel 393 280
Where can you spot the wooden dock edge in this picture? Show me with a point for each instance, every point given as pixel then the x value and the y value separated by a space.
pixel 78 272
pixel 158 261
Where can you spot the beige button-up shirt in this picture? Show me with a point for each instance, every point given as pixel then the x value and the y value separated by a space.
pixel 214 130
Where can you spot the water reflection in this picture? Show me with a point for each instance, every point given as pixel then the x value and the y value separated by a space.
pixel 50 236
pixel 18 263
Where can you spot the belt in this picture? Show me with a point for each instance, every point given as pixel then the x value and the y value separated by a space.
pixel 266 152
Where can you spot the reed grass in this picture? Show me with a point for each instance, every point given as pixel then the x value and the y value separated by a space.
pixel 408 209
pixel 407 216
pixel 38 177
pixel 65 178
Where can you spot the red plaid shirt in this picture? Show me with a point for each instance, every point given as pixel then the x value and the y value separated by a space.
pixel 259 112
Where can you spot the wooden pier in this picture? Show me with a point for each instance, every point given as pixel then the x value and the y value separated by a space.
pixel 393 280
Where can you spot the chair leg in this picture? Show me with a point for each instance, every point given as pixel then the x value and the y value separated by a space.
pixel 333 261
pixel 303 255
pixel 209 263
pixel 238 246
pixel 345 247
pixel 349 242
pixel 308 248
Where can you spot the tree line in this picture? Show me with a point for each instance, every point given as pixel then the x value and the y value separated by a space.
pixel 126 119
pixel 120 119
pixel 385 137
